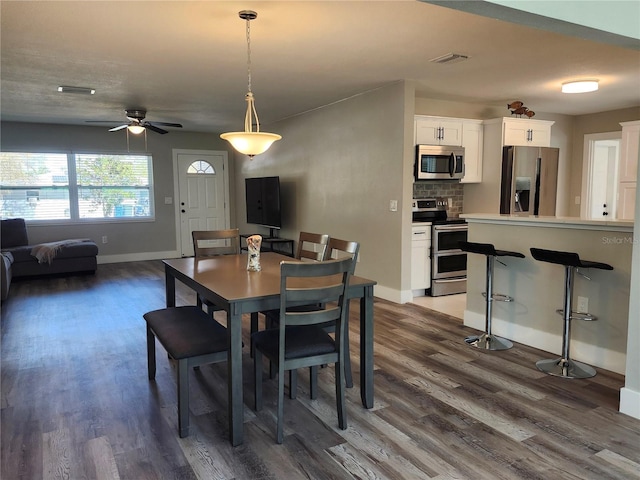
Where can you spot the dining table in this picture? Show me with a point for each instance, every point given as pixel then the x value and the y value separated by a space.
pixel 225 281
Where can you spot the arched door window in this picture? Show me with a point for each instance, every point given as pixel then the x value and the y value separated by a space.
pixel 201 167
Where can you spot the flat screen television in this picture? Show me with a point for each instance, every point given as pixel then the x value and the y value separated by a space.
pixel 263 202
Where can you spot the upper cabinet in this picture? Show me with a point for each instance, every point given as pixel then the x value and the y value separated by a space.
pixel 438 131
pixel 628 170
pixel 472 138
pixel 526 132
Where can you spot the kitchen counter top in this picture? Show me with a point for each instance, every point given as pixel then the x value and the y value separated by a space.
pixel 551 222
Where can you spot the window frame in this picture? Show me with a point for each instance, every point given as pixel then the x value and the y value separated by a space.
pixel 74 188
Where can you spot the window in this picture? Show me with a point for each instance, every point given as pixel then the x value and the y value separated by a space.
pixel 75 187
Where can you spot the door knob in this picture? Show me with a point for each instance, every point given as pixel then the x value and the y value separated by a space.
pixel 183 210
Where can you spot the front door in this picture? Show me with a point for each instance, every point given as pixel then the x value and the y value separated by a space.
pixel 203 194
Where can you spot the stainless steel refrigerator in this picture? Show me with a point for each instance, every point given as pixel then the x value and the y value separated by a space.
pixel 529 180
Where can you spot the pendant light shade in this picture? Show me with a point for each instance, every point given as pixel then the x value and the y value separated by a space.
pixel 250 142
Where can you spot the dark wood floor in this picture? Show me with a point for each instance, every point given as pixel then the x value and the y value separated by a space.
pixel 77 404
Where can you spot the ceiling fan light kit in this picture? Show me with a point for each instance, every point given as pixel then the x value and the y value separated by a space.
pixel 580 86
pixel 136 129
pixel 250 142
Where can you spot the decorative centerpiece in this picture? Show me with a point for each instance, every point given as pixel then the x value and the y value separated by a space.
pixel 253 247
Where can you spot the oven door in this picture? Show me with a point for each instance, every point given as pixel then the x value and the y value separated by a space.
pixel 447 238
pixel 449 265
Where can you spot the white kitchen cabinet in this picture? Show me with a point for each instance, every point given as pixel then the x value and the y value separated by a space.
pixel 437 131
pixel 472 140
pixel 421 257
pixel 628 170
pixel 526 132
pixel 626 201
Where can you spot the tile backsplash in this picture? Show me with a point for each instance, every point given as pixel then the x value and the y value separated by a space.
pixel 446 189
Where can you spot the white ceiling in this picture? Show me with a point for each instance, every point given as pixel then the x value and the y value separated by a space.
pixel 185 61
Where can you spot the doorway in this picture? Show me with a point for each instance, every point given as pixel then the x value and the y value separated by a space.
pixel 599 176
pixel 201 184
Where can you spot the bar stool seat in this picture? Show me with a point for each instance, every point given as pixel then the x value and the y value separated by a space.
pixel 488 341
pixel 565 367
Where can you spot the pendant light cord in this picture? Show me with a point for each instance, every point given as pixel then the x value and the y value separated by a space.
pixel 248 55
pixel 251 108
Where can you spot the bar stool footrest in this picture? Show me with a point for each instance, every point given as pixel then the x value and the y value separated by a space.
pixel 566 368
pixel 587 317
pixel 499 297
pixel 488 342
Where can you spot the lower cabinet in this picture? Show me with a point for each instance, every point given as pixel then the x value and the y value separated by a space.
pixel 420 257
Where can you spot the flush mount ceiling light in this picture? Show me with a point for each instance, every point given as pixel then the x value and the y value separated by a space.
pixel 250 142
pixel 76 90
pixel 580 86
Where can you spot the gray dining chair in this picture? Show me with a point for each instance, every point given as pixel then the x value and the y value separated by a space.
pixel 312 247
pixel 210 243
pixel 300 341
pixel 338 248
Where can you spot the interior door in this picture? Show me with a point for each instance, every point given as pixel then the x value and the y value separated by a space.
pixel 202 194
pixel 599 187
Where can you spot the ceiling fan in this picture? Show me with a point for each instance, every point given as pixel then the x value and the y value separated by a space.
pixel 137 123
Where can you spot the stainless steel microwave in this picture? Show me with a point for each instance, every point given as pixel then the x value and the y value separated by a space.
pixel 439 162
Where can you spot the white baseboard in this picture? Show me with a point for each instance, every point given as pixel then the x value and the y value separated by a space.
pixel 391 294
pixel 630 402
pixel 550 342
pixel 136 257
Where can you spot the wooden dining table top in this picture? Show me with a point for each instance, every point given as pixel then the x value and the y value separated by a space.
pixel 228 277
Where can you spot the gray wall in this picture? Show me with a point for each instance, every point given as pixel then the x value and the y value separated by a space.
pixel 339 167
pixel 136 239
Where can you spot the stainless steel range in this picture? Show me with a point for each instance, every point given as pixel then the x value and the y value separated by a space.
pixel 448 262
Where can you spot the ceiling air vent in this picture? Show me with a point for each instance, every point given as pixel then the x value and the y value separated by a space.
pixel 449 58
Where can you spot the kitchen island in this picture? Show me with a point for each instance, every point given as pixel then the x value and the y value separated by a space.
pixel 538 287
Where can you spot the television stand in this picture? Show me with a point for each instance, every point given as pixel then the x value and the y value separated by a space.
pixel 271 244
pixel 273 233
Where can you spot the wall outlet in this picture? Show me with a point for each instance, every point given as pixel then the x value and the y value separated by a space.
pixel 583 304
pixel 393 205
pixel 577 200
pixel 104 239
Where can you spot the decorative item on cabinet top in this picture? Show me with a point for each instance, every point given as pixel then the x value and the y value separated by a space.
pixel 518 108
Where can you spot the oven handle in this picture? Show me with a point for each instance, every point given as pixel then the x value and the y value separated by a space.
pixel 451 227
pixel 448 253
pixel 448 280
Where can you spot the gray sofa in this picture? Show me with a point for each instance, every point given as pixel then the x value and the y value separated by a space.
pixel 70 256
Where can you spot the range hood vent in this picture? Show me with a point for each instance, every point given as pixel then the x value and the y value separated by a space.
pixel 449 58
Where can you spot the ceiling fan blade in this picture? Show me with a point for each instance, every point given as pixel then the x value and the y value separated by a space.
pixel 102 121
pixel 176 125
pixel 154 128
pixel 119 127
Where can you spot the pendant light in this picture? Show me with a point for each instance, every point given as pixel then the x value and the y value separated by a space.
pixel 249 142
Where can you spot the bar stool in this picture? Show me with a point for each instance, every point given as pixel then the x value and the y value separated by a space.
pixel 566 367
pixel 487 340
